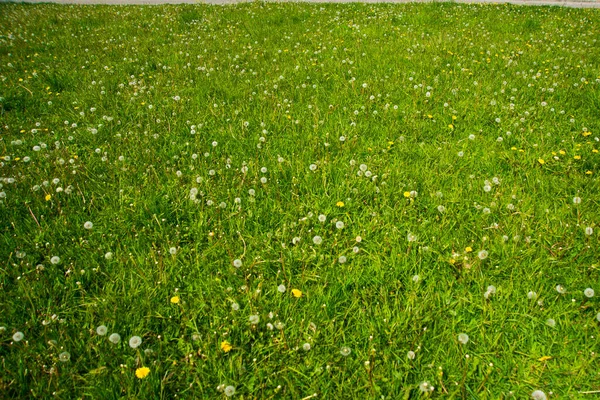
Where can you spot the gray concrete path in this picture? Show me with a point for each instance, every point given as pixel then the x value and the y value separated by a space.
pixel 563 3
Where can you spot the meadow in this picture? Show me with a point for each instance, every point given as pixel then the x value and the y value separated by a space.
pixel 299 201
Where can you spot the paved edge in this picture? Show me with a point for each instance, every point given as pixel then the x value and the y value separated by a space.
pixel 561 3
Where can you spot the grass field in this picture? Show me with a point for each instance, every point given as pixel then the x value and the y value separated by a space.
pixel 297 201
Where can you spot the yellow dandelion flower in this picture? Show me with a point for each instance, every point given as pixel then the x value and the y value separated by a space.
pixel 297 293
pixel 175 299
pixel 588 172
pixel 226 346
pixel 340 204
pixel 541 161
pixel 48 197
pixel 577 157
pixel 468 249
pixel 454 118
pixel 562 152
pixel 142 372
pixel 407 194
pixel 588 133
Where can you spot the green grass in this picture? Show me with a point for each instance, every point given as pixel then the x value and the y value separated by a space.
pixel 109 114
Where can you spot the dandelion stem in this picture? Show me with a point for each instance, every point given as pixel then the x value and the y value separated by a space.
pixel 34 218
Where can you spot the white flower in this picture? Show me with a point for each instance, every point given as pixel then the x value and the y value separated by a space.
pixel 173 250
pixel 487 188
pixel 561 289
pixel 135 342
pixel 235 306
pixel 281 288
pixel 482 254
pixel 114 338
pixel 254 319
pixel 589 230
pixel 229 391
pixel 108 256
pixel 322 218
pixel 339 224
pixel 416 278
pixel 237 263
pixel 589 292
pixel 411 237
pixel 576 200
pixel 463 338
pixel 312 167
pixel 101 330
pixel 88 225
pixel 64 356
pixel 306 346
pixel 441 208
pixel 538 395
pixel 411 355
pixel 426 387
pixel 55 260
pixel 317 240
pixel 345 351
pixel 342 259
pixel 18 336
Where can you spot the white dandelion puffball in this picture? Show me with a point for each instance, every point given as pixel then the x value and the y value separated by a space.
pixel 64 356
pixel 411 355
pixel 576 200
pixel 532 295
pixel 483 254
pixel 55 260
pixel 317 240
pixel 589 230
pixel 342 259
pixel 114 338
pixel 322 218
pixel 411 237
pixel 235 306
pixel 237 263
pixel 313 167
pixel 589 293
pixel 281 288
pixel 538 395
pixel 101 330
pixel 229 391
pixel 463 338
pixel 254 319
pixel 551 322
pixel 345 351
pixel 306 346
pixel 135 342
pixel 339 225
pixel 441 208
pixel 108 256
pixel 88 225
pixel 598 317
pixel 18 336
pixel 173 251
pixel 561 289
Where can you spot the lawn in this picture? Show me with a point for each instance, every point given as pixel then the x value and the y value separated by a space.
pixel 299 201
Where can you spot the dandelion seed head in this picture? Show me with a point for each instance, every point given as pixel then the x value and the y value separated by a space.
pixel 101 330
pixel 538 395
pixel 64 356
pixel 589 293
pixel 135 342
pixel 114 338
pixel 18 336
pixel 463 338
pixel 345 351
